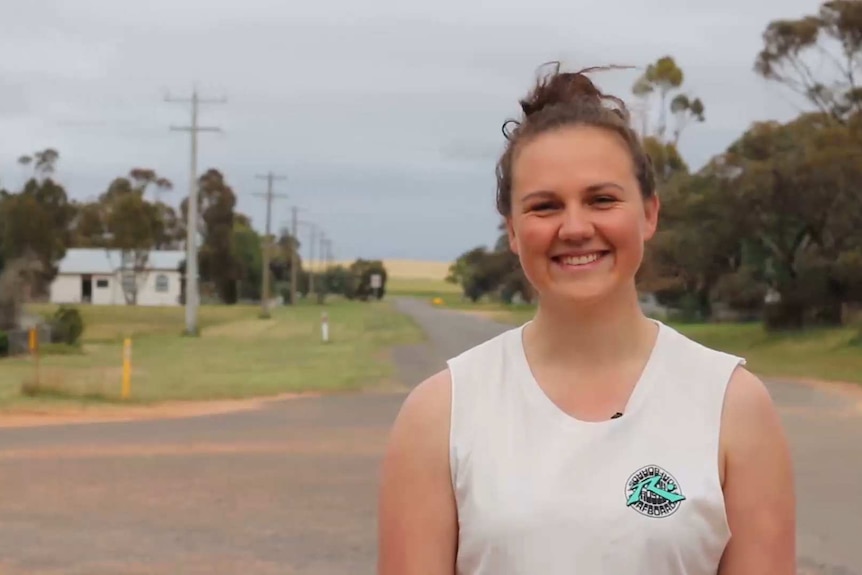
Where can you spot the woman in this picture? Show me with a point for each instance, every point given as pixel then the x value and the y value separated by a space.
pixel 592 439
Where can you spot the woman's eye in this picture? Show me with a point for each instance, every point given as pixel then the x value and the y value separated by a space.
pixel 543 207
pixel 605 199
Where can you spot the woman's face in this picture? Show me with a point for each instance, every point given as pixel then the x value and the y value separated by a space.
pixel 578 221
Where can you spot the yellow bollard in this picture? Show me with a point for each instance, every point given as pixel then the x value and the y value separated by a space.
pixel 34 340
pixel 34 352
pixel 127 367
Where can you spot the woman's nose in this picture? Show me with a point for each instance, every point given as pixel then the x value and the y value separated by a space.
pixel 576 225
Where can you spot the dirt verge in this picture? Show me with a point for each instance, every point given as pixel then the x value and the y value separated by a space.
pixel 54 415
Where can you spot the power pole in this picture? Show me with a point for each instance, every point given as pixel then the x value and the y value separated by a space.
pixel 192 289
pixel 321 250
pixel 311 259
pixel 270 178
pixel 325 252
pixel 294 248
pixel 329 258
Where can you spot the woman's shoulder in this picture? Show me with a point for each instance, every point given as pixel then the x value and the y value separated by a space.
pixel 749 411
pixel 691 343
pixel 688 356
pixel 489 347
pixel 756 478
pixel 430 402
pixel 417 519
pixel 427 405
pixel 424 409
pixel 752 433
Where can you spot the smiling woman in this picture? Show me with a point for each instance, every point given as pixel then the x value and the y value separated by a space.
pixel 591 439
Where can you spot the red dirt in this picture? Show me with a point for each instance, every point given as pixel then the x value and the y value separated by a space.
pixel 31 417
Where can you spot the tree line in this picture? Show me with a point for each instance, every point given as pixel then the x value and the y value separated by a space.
pixel 39 222
pixel 769 229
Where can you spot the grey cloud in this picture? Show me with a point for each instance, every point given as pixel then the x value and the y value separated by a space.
pixel 386 115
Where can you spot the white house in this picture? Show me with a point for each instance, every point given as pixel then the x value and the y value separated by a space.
pixel 92 275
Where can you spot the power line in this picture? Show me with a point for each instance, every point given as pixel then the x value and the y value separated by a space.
pixel 270 178
pixel 192 288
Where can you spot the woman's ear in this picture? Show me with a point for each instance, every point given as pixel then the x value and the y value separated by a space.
pixel 510 231
pixel 652 207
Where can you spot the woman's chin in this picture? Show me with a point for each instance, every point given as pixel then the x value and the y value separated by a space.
pixel 583 292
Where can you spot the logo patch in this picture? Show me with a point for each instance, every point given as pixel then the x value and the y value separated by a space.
pixel 653 492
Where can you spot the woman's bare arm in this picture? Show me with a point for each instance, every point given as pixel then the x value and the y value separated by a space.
pixel 758 483
pixel 417 518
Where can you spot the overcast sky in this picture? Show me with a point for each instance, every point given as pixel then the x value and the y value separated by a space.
pixel 384 115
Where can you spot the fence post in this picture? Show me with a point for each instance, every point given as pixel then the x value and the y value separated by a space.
pixel 127 367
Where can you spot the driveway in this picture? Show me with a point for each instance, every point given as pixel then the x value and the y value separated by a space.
pixel 291 487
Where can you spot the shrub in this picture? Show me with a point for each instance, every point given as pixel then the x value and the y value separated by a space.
pixel 67 325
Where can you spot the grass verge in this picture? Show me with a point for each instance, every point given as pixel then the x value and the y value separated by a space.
pixel 831 354
pixel 422 287
pixel 815 353
pixel 236 356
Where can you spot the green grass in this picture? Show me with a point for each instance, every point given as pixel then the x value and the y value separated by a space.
pixel 421 287
pixel 237 355
pixel 815 353
pixel 821 353
pixel 105 324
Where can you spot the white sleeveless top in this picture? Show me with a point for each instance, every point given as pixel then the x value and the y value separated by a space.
pixel 541 493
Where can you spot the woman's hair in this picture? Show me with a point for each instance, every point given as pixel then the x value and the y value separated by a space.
pixel 562 99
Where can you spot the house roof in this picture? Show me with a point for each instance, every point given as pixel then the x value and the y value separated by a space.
pixel 101 261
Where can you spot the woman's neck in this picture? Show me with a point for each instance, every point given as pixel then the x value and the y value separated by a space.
pixel 598 335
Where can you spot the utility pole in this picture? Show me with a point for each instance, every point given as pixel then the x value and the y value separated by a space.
pixel 321 250
pixel 329 258
pixel 294 248
pixel 322 258
pixel 192 289
pixel 267 248
pixel 311 259
pixel 324 252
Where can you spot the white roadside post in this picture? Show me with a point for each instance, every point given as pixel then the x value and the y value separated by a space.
pixel 324 326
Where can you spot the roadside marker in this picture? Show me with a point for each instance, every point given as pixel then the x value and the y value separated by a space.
pixel 127 367
pixel 324 326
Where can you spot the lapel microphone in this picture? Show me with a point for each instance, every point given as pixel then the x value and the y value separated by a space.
pixel 616 415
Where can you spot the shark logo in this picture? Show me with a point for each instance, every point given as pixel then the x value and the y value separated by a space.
pixel 653 492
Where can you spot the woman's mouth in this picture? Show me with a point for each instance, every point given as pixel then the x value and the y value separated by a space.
pixel 580 261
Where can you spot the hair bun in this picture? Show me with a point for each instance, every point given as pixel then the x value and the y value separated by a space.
pixel 569 87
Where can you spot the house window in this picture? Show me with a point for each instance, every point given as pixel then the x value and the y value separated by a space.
pixel 101 283
pixel 161 283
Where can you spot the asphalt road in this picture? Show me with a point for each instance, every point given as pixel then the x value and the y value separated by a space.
pixel 291 487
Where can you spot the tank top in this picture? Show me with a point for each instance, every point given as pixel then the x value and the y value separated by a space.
pixel 539 492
